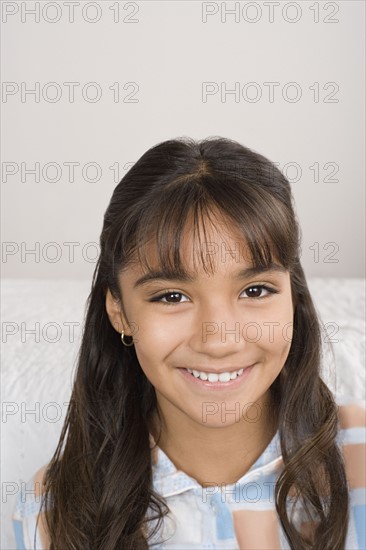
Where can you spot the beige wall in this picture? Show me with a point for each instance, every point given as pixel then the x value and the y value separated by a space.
pixel 172 65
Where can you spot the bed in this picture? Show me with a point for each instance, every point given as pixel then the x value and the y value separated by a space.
pixel 41 330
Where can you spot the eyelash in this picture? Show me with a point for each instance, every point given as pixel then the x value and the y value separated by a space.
pixel 168 292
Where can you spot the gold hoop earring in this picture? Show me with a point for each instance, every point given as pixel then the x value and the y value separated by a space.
pixel 123 342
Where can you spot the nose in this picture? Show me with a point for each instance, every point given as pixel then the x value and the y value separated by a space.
pixel 217 329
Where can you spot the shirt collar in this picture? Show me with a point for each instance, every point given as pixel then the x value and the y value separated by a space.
pixel 168 480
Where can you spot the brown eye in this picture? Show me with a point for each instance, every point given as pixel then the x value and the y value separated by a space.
pixel 166 298
pixel 175 295
pixel 257 291
pixel 254 291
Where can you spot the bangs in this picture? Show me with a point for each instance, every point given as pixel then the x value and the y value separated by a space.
pixel 254 216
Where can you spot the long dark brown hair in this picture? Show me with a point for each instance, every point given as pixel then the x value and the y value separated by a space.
pixel 98 490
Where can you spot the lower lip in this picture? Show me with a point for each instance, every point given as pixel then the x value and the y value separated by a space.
pixel 217 386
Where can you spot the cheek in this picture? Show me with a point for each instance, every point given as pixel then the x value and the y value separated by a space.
pixel 277 329
pixel 153 344
pixel 284 338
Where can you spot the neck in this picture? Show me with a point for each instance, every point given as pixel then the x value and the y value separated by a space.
pixel 214 454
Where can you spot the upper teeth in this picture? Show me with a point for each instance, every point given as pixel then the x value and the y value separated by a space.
pixel 213 377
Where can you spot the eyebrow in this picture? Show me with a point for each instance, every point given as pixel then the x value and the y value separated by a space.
pixel 186 277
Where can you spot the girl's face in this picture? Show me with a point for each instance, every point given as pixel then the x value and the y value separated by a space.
pixel 213 324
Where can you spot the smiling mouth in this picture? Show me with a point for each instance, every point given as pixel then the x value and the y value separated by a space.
pixel 213 377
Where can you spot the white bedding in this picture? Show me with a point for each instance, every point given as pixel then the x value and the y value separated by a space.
pixel 37 369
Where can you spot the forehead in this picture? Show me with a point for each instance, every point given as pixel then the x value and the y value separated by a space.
pixel 215 247
pixel 216 243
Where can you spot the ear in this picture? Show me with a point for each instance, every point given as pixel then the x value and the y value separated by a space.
pixel 115 314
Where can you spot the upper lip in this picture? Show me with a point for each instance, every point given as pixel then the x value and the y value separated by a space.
pixel 218 371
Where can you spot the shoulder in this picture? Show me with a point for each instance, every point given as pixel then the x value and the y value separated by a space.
pixel 38 481
pixel 27 512
pixel 352 439
pixel 352 415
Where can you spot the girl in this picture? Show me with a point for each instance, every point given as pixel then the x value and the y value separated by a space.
pixel 198 417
